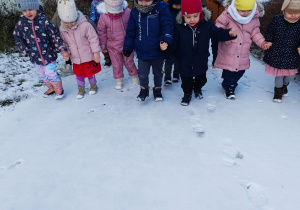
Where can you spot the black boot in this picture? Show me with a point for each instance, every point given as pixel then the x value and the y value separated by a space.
pixel 186 99
pixel 230 92
pixel 157 94
pixel 285 90
pixel 278 92
pixel 144 93
pixel 198 93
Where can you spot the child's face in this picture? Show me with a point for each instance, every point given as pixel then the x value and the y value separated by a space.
pixel 176 6
pixel 192 19
pixel 145 3
pixel 70 24
pixel 292 16
pixel 244 13
pixel 30 14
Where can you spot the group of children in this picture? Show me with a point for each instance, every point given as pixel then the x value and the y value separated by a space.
pixel 178 34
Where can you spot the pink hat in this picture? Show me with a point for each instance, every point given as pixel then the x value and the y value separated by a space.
pixel 191 6
pixel 114 6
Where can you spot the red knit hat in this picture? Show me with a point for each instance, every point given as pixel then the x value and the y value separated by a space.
pixel 191 6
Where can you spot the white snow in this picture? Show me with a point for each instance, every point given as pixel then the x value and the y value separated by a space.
pixel 111 152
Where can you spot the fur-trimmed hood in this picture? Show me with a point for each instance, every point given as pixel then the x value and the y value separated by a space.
pixel 206 13
pixel 260 6
pixel 102 10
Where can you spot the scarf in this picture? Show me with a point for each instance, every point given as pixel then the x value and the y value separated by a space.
pixel 144 9
pixel 115 16
pixel 236 16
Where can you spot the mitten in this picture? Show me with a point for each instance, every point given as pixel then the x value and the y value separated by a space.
pixel 127 53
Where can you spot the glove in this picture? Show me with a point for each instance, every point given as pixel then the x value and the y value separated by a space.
pixel 127 53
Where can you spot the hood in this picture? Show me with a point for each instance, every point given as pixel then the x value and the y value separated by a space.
pixel 206 13
pixel 81 19
pixel 102 10
pixel 260 6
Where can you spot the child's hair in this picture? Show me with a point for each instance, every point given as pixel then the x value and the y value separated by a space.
pixel 244 4
pixel 114 6
pixel 27 5
pixel 67 10
pixel 291 6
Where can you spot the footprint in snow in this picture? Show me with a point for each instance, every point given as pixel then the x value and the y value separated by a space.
pixel 15 164
pixel 232 156
pixel 197 126
pixel 211 106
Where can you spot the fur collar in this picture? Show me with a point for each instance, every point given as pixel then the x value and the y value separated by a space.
pixel 260 6
pixel 206 13
pixel 102 10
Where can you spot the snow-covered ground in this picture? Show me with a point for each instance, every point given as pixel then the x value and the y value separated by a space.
pixel 111 152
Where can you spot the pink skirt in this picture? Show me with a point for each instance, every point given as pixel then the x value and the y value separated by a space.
pixel 280 72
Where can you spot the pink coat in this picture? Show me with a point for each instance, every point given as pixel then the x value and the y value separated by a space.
pixel 235 56
pixel 81 40
pixel 112 32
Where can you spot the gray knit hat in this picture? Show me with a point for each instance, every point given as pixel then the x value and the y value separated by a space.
pixel 27 4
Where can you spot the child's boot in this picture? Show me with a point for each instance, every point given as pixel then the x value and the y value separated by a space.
pixel 198 93
pixel 144 93
pixel 157 94
pixel 119 83
pixel 134 80
pixel 59 91
pixel 230 92
pixel 186 99
pixel 50 90
pixel 278 92
pixel 93 89
pixel 285 90
pixel 81 92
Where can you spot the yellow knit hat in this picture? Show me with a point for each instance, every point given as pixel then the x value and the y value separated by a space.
pixel 244 4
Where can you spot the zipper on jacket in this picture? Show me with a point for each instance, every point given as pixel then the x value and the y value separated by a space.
pixel 37 44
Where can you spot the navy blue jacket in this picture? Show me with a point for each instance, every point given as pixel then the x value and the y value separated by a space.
pixel 145 31
pixel 191 47
pixel 285 37
pixel 38 39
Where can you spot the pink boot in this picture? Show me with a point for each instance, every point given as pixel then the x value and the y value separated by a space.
pixel 50 90
pixel 59 91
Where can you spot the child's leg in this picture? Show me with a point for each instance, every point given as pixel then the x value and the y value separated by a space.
pixel 187 84
pixel 288 79
pixel 81 87
pixel 143 72
pixel 176 71
pixel 130 65
pixel 80 81
pixel 278 89
pixel 117 64
pixel 92 80
pixel 168 68
pixel 231 78
pixel 94 88
pixel 199 82
pixel 279 82
pixel 157 65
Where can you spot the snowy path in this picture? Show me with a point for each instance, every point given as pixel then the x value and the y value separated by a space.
pixel 111 152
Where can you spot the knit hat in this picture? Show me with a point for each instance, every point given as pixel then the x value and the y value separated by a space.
pixel 67 10
pixel 114 6
pixel 244 4
pixel 191 6
pixel 291 5
pixel 27 4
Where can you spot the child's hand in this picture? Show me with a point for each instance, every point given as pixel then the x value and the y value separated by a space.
pixel 266 45
pixel 163 45
pixel 66 55
pixel 96 57
pixel 232 33
pixel 298 50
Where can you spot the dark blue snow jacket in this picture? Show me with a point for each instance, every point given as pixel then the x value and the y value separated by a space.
pixel 145 31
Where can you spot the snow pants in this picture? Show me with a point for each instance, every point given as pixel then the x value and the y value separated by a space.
pixel 190 84
pixel 144 71
pixel 231 78
pixel 48 73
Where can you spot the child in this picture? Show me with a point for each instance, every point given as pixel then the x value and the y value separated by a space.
pixel 174 8
pixel 191 44
pixel 95 15
pixel 38 39
pixel 111 31
pixel 150 32
pixel 282 59
pixel 216 8
pixel 83 43
pixel 233 57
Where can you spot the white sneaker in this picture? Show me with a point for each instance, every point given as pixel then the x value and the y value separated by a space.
pixel 119 83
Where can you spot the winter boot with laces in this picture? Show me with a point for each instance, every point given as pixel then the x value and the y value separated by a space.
pixel 157 94
pixel 81 92
pixel 144 93
pixel 186 99
pixel 93 89
pixel 278 92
